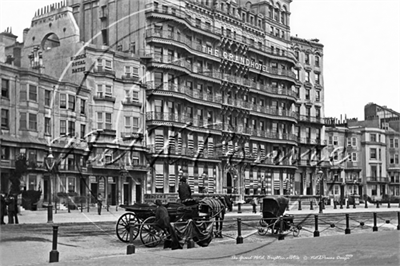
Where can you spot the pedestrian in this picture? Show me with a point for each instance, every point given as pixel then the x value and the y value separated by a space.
pixel 11 201
pixel 3 208
pixel 184 190
pixel 254 203
pixel 162 222
pixel 99 203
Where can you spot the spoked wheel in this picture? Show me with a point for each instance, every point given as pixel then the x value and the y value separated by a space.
pixel 149 235
pixel 124 224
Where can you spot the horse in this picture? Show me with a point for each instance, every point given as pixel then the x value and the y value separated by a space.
pixel 216 208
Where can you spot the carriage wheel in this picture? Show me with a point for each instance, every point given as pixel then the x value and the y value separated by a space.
pixel 124 226
pixel 149 235
pixel 272 226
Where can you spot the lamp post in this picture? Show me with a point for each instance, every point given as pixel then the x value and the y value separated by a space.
pixel 321 185
pixel 50 165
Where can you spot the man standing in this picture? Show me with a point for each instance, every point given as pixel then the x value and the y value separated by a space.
pixel 99 203
pixel 162 221
pixel 3 208
pixel 12 209
pixel 184 190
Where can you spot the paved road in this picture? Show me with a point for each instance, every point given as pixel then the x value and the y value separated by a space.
pixel 378 248
pixel 85 235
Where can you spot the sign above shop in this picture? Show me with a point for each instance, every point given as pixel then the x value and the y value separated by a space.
pixel 165 198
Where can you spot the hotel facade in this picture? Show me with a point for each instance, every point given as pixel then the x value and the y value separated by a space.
pixel 217 91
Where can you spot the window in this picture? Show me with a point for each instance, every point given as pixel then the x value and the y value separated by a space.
pixel 83 131
pixel 158 80
pixel 396 158
pixel 108 92
pixel 5 153
pixel 63 127
pixel 170 55
pixel 31 182
pixel 99 120
pixel 128 122
pixel 372 137
pixel 374 171
pixel 108 121
pixel 354 157
pixel 317 81
pixel 354 142
pixel 307 94
pixel 100 92
pixel 374 190
pixel 307 59
pixel 4 119
pixel 47 126
pixel 22 94
pixel 335 140
pixel 372 153
pixel 71 128
pixel 71 102
pixel 135 122
pixel 391 143
pixel 317 112
pixel 317 61
pixel 170 31
pixel 32 122
pixel 83 106
pixel 317 95
pixel 297 74
pixel 32 93
pixel 22 121
pixel 47 98
pixel 108 65
pixel 71 183
pixel 307 76
pixel 63 100
pixel 5 88
pixel 396 143
pixel 308 111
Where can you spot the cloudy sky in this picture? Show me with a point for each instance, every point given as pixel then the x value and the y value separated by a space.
pixel 361 41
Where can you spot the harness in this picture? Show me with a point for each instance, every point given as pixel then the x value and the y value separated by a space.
pixel 215 205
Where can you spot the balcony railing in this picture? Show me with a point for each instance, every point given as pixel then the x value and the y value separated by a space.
pixel 311 119
pixel 182 118
pixel 258 86
pixel 177 13
pixel 194 93
pixel 217 153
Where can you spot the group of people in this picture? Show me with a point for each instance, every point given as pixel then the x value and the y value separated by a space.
pixel 9 206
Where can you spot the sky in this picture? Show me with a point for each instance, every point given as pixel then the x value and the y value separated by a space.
pixel 361 41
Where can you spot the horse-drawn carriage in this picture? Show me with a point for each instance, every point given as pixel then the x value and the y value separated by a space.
pixel 196 213
pixel 273 218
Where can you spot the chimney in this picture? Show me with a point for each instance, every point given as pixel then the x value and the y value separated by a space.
pixel 24 34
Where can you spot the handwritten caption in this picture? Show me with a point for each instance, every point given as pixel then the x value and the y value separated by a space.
pixel 292 257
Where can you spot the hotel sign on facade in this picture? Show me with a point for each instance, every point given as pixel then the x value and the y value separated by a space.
pixel 235 58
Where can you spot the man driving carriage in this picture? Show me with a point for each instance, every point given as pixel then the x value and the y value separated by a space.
pixel 184 190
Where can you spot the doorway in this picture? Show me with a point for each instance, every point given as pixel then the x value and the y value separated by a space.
pixel 138 193
pixel 126 194
pixel 113 194
pixel 93 193
pixel 229 183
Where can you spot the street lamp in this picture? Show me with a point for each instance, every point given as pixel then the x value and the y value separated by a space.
pixel 50 165
pixel 321 185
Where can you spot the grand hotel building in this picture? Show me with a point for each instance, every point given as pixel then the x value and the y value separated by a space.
pixel 221 97
pixel 220 88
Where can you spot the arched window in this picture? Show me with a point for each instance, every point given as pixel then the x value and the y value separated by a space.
pixel 50 41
